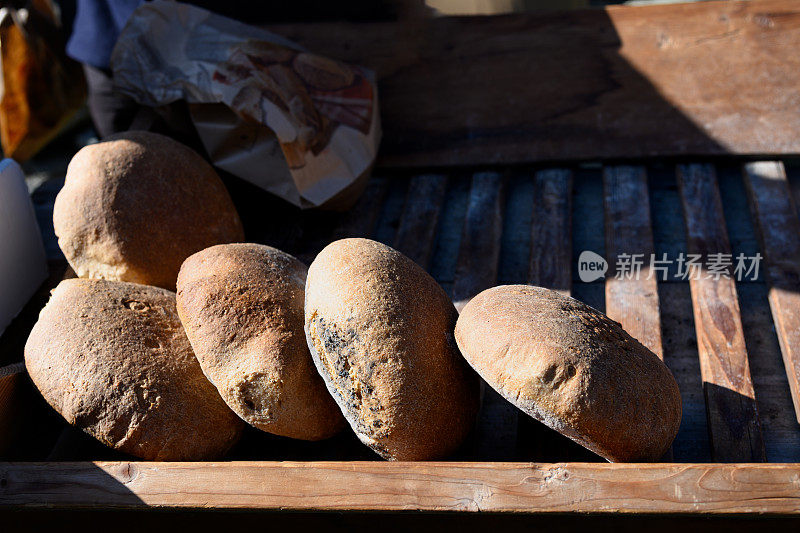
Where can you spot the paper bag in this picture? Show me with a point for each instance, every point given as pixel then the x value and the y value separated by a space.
pixel 301 126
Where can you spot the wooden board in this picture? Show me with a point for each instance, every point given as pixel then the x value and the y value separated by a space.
pixel 415 236
pixel 551 232
pixel 361 219
pixel 470 487
pixel 550 267
pixel 734 426
pixel 704 78
pixel 476 269
pixel 779 234
pixel 631 301
pixel 479 253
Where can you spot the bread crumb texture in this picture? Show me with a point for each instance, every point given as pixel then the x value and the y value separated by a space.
pixel 380 331
pixel 113 359
pixel 134 206
pixel 242 307
pixel 572 368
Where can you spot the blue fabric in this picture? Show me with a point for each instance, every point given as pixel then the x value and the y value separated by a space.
pixel 96 29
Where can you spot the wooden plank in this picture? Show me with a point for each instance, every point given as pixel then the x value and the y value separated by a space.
pixel 551 237
pixel 733 422
pixel 479 252
pixel 360 221
pixel 779 235
pixel 415 235
pixel 550 266
pixel 495 434
pixel 704 78
pixel 318 228
pixel 372 486
pixel 631 301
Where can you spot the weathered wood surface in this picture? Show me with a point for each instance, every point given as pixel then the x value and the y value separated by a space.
pixel 512 487
pixel 705 78
pixel 479 253
pixel 550 266
pixel 734 426
pixel 779 234
pixel 416 235
pixel 631 300
pixel 551 232
pixel 380 215
pixel 495 433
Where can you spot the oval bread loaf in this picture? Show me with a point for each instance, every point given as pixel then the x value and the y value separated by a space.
pixel 136 205
pixel 380 330
pixel 242 307
pixel 572 368
pixel 113 359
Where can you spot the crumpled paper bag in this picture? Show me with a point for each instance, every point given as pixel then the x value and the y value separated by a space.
pixel 301 126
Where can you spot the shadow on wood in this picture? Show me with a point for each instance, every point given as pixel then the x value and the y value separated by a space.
pixel 616 83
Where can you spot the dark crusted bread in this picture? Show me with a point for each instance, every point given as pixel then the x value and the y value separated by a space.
pixel 242 308
pixel 572 368
pixel 113 359
pixel 136 205
pixel 380 330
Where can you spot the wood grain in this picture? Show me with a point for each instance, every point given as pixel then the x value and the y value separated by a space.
pixel 550 267
pixel 415 235
pixel 551 237
pixel 779 235
pixel 470 487
pixel 495 433
pixel 704 78
pixel 734 426
pixel 479 252
pixel 631 301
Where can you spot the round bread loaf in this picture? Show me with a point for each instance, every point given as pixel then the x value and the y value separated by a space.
pixel 572 368
pixel 113 359
pixel 380 331
pixel 242 308
pixel 135 206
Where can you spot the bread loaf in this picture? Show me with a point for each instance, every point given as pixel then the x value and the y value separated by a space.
pixel 113 359
pixel 135 206
pixel 242 307
pixel 380 331
pixel 572 368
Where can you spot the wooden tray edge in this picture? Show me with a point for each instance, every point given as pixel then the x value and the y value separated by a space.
pixel 535 488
